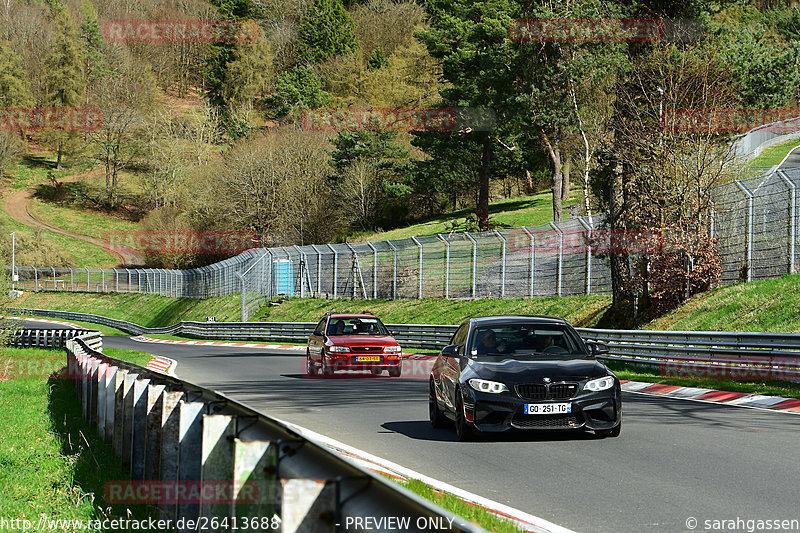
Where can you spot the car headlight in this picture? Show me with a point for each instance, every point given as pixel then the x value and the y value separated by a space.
pixel 599 384
pixel 338 349
pixel 392 349
pixel 483 385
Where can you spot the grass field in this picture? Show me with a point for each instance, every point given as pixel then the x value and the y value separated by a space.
pixel 143 309
pixel 510 213
pixel 580 310
pixel 53 464
pixel 769 305
pixel 774 154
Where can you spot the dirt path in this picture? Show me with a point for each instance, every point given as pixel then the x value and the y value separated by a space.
pixel 18 206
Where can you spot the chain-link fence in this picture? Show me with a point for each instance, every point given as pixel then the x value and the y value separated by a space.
pixel 755 219
pixel 756 222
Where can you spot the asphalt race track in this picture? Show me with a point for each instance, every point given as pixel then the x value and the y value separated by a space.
pixel 675 459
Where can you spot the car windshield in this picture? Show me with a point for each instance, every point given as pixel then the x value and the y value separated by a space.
pixel 356 326
pixel 522 341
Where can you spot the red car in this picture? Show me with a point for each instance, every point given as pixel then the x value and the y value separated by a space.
pixel 352 342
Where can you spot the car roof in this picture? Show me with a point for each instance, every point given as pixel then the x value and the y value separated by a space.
pixel 351 315
pixel 516 319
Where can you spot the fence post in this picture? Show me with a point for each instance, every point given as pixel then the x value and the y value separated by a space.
pixel 394 271
pixel 474 264
pixel 35 279
pixel 589 227
pixel 750 197
pixel 319 269
pixel 560 253
pixel 374 270
pixel 792 221
pixel 446 266
pixel 71 279
pixel 420 265
pixel 533 257
pixel 303 266
pixel 88 280
pixel 713 216
pixel 503 273
pixel 54 277
pixel 335 270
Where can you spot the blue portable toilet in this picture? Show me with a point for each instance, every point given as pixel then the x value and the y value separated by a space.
pixel 282 274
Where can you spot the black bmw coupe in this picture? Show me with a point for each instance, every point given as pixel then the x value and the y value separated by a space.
pixel 523 372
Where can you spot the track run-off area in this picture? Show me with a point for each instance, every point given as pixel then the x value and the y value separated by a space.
pixel 676 460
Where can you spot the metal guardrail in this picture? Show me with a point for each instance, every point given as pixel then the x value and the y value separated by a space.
pixel 737 354
pixel 174 432
pixel 44 338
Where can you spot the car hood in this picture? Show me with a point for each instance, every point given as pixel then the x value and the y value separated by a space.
pixel 527 371
pixel 362 340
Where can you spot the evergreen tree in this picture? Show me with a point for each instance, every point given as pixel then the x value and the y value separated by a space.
pixel 326 30
pixel 14 88
pixel 65 85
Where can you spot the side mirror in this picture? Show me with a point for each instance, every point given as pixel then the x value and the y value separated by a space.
pixel 597 348
pixel 451 350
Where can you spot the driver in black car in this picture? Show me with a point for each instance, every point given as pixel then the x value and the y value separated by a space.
pixel 488 344
pixel 544 341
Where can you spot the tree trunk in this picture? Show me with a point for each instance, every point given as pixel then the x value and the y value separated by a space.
pixel 565 179
pixel 557 183
pixel 483 194
pixel 528 182
pixel 60 151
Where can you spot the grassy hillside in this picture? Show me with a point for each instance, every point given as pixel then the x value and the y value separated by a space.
pixel 143 309
pixel 769 305
pixel 774 154
pixel 510 213
pixel 583 311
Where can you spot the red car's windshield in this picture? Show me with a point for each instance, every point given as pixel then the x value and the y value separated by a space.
pixel 356 326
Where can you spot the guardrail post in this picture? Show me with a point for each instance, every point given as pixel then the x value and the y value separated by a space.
pixel 749 259
pixel 88 280
pixel 590 228
pixel 130 391
pixel 153 423
pixel 169 468
pixel 503 273
pixel 319 270
pixel 35 279
pixel 102 387
pixel 71 280
pixel 121 388
pixel 560 254
pixel 374 270
pixel 420 265
pixel 474 264
pixel 255 463
pixel 113 383
pixel 792 221
pixel 139 408
pixel 53 270
pixel 304 503
pixel 103 278
pixel 189 463
pixel 446 266
pixel 394 269
pixel 217 461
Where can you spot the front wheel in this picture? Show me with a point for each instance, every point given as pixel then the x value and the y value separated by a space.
pixel 327 370
pixel 395 372
pixel 434 414
pixel 463 431
pixel 311 370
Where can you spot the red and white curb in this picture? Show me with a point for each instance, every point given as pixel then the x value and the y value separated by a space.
pixel 68 324
pixel 524 521
pixel 163 365
pixel 738 399
pixel 142 338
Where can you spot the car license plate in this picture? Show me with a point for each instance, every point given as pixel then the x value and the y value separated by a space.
pixel 547 408
pixel 368 358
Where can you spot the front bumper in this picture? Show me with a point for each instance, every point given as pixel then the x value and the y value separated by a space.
pixel 596 411
pixel 350 361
